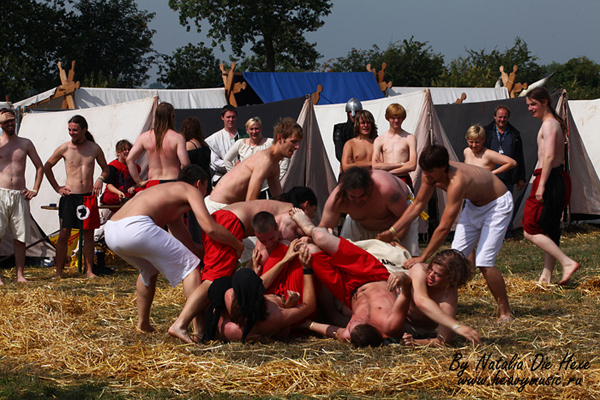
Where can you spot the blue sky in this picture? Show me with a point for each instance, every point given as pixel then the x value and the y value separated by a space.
pixel 554 30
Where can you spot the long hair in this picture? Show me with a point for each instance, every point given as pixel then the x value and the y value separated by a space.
pixel 541 94
pixel 164 119
pixel 191 129
pixel 79 120
pixel 366 116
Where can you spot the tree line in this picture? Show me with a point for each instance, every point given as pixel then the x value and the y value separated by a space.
pixel 111 42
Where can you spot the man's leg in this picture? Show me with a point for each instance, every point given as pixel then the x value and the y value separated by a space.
pixel 88 252
pixel 20 260
pixel 61 249
pixel 190 283
pixel 321 236
pixel 145 295
pixel 194 305
pixel 495 282
pixel 552 253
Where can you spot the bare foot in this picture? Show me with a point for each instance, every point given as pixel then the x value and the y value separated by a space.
pixel 1 283
pixel 146 328
pixel 292 300
pixel 545 278
pixel 300 218
pixel 91 275
pixel 505 319
pixel 180 333
pixel 22 279
pixel 568 270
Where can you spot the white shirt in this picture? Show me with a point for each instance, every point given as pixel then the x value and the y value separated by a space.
pixel 219 142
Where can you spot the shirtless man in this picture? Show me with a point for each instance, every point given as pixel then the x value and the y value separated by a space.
pixel 220 261
pixel 245 180
pixel 373 200
pixel 487 212
pixel 281 313
pixel 358 151
pixel 14 195
pixel 396 150
pixel 78 206
pixel 361 283
pixel 477 154
pixel 432 313
pixel 551 189
pixel 164 148
pixel 135 233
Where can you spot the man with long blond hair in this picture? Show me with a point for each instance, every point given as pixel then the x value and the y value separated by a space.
pixel 164 148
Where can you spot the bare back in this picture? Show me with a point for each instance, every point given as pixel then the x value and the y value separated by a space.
pixel 163 164
pixel 477 184
pixel 13 159
pixel 246 210
pixel 245 180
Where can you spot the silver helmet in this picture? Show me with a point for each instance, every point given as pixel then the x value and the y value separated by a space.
pixel 353 105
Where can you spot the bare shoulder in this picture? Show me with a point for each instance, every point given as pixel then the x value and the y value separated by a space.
pixel 550 126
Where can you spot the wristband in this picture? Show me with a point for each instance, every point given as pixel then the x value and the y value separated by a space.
pixel 100 178
pixel 393 231
pixel 33 191
pixel 311 325
pixel 307 271
pixel 456 326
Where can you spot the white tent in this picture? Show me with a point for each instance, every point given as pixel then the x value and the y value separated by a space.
pixel 86 97
pixel 447 95
pixel 107 124
pixel 586 114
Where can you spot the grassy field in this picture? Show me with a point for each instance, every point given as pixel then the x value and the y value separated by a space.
pixel 74 338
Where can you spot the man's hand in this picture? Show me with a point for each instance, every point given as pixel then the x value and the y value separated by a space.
pixel 305 257
pixel 28 194
pixel 64 191
pixel 408 339
pixel 386 236
pixel 539 194
pixel 256 262
pixel 408 264
pixel 468 333
pixel 131 190
pixel 98 188
pixel 520 185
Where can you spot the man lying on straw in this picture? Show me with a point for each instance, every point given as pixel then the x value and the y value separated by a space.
pixel 380 301
pixel 135 233
pixel 220 261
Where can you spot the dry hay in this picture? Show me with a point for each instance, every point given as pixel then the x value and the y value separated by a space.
pixel 73 330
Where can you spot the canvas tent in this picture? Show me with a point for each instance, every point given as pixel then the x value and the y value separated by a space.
pixel 108 125
pixel 338 87
pixel 449 95
pixel 87 97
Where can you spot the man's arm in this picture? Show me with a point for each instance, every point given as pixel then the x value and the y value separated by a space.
pixel 454 201
pixel 135 153
pixel 104 175
pixel 398 282
pixel 232 153
pixel 505 162
pixel 432 309
pixel 263 171
pixel 181 233
pixel 182 154
pixel 549 139
pixel 39 171
pixel 208 224
pixel 401 226
pixel 54 158
pixel 269 276
pixel 411 164
pixel 331 213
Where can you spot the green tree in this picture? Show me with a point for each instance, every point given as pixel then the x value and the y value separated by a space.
pixel 579 76
pixel 409 62
pixel 481 68
pixel 28 58
pixel 111 42
pixel 192 66
pixel 273 28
